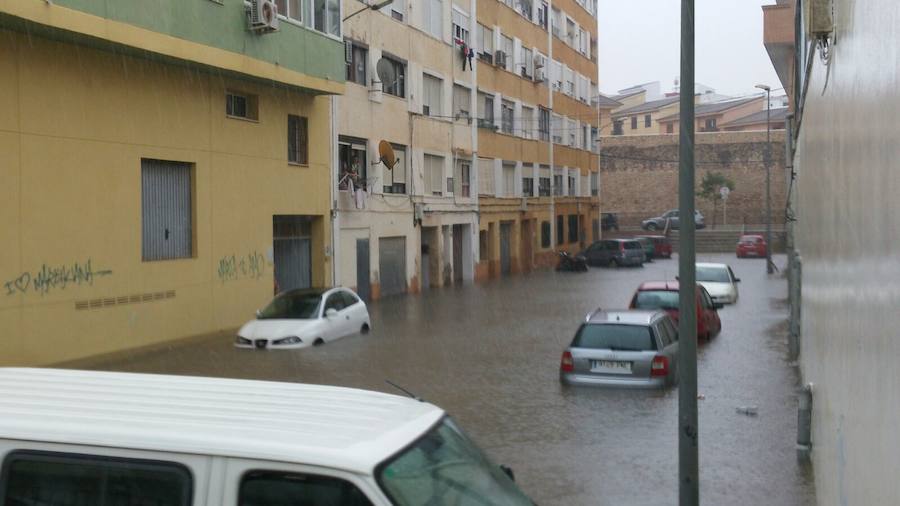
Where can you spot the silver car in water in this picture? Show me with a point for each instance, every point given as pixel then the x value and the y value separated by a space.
pixel 627 348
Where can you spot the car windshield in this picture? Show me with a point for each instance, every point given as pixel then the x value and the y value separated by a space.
pixel 713 274
pixel 444 467
pixel 656 299
pixel 292 305
pixel 614 337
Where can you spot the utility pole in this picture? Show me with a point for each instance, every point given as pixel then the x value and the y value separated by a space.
pixel 688 431
pixel 767 159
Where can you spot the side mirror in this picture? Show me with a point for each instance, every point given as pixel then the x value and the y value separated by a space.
pixel 509 472
pixel 330 312
pixel 258 312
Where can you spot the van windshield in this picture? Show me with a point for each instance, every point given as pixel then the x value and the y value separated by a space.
pixel 444 467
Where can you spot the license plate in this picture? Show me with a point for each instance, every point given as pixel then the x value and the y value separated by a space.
pixel 610 367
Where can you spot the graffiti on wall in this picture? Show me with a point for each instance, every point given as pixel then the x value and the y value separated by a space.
pixel 252 266
pixel 48 278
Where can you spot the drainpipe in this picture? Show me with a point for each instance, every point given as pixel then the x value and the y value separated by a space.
pixel 550 129
pixel 335 215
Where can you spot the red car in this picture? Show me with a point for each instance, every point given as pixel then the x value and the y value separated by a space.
pixel 752 245
pixel 664 295
pixel 662 246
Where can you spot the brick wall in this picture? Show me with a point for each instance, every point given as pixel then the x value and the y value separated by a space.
pixel 639 175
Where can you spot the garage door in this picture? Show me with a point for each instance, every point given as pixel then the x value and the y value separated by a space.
pixel 392 265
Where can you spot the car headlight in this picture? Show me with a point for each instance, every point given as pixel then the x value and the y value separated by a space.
pixel 288 340
pixel 241 340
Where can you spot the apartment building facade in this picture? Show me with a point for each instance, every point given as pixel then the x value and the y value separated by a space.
pixel 162 178
pixel 411 226
pixel 538 124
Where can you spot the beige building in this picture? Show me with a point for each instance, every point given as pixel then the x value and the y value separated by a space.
pixel 710 117
pixel 641 118
pixel 412 226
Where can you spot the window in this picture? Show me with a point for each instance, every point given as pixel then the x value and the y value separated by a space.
pixel 527 63
pixel 506 116
pixel 433 17
pixel 523 7
pixel 397 9
pixel 585 137
pixel 62 479
pixel 527 122
pixel 434 174
pixel 290 9
pixel 710 125
pixel 556 128
pixel 595 184
pixel 634 122
pixel 571 188
pixel 485 42
pixel 275 488
pixel 241 105
pixel 485 110
pixel 395 178
pixel 544 181
pixel 509 179
pixel 557 184
pixel 464 176
pixel 571 30
pixel 544 123
pixel 545 234
pixel 398 86
pixel 486 177
pixel 618 127
pixel 506 45
pixel 559 230
pixel 460 27
pixel 356 68
pixel 670 128
pixel 556 72
pixel 483 246
pixel 167 216
pixel 461 104
pixel 556 21
pixel 528 187
pixel 543 15
pixel 647 121
pixel 327 14
pixel 431 87
pixel 569 78
pixel 573 228
pixel 298 140
pixel 353 163
pixel 572 130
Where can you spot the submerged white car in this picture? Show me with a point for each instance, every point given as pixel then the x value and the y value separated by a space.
pixel 720 281
pixel 305 317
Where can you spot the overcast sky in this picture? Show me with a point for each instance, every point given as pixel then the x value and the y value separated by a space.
pixel 639 42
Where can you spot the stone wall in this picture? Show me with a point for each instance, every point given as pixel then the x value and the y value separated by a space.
pixel 639 175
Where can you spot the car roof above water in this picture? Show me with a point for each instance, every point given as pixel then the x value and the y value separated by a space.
pixel 624 316
pixel 335 427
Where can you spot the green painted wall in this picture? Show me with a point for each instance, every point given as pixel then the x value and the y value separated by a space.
pixel 224 25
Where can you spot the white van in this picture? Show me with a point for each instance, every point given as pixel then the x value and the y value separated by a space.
pixel 80 438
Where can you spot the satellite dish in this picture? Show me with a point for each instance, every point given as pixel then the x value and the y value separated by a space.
pixel 386 73
pixel 386 152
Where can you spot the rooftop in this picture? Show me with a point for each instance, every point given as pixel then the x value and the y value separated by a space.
pixel 716 107
pixel 330 426
pixel 653 105
pixel 778 115
pixel 606 102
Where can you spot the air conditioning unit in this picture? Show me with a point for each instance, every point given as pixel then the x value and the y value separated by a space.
pixel 540 75
pixel 819 18
pixel 263 16
pixel 500 59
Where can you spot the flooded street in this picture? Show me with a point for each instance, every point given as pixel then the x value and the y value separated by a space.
pixel 489 355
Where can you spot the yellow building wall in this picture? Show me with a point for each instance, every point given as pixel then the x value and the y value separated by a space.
pixel 74 126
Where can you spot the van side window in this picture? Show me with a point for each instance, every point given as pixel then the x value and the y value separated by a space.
pixel 275 488
pixel 84 480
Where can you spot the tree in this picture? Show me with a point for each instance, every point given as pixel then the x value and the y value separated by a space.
pixel 710 189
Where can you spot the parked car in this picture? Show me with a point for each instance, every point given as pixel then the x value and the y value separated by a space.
pixel 751 245
pixel 609 221
pixel 305 317
pixel 622 348
pixel 662 246
pixel 720 281
pixel 614 252
pixel 93 438
pixel 663 295
pixel 659 222
pixel 649 248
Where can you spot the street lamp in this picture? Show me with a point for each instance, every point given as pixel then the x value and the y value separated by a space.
pixel 374 7
pixel 767 161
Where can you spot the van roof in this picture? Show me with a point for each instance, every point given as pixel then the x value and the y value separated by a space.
pixel 320 425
